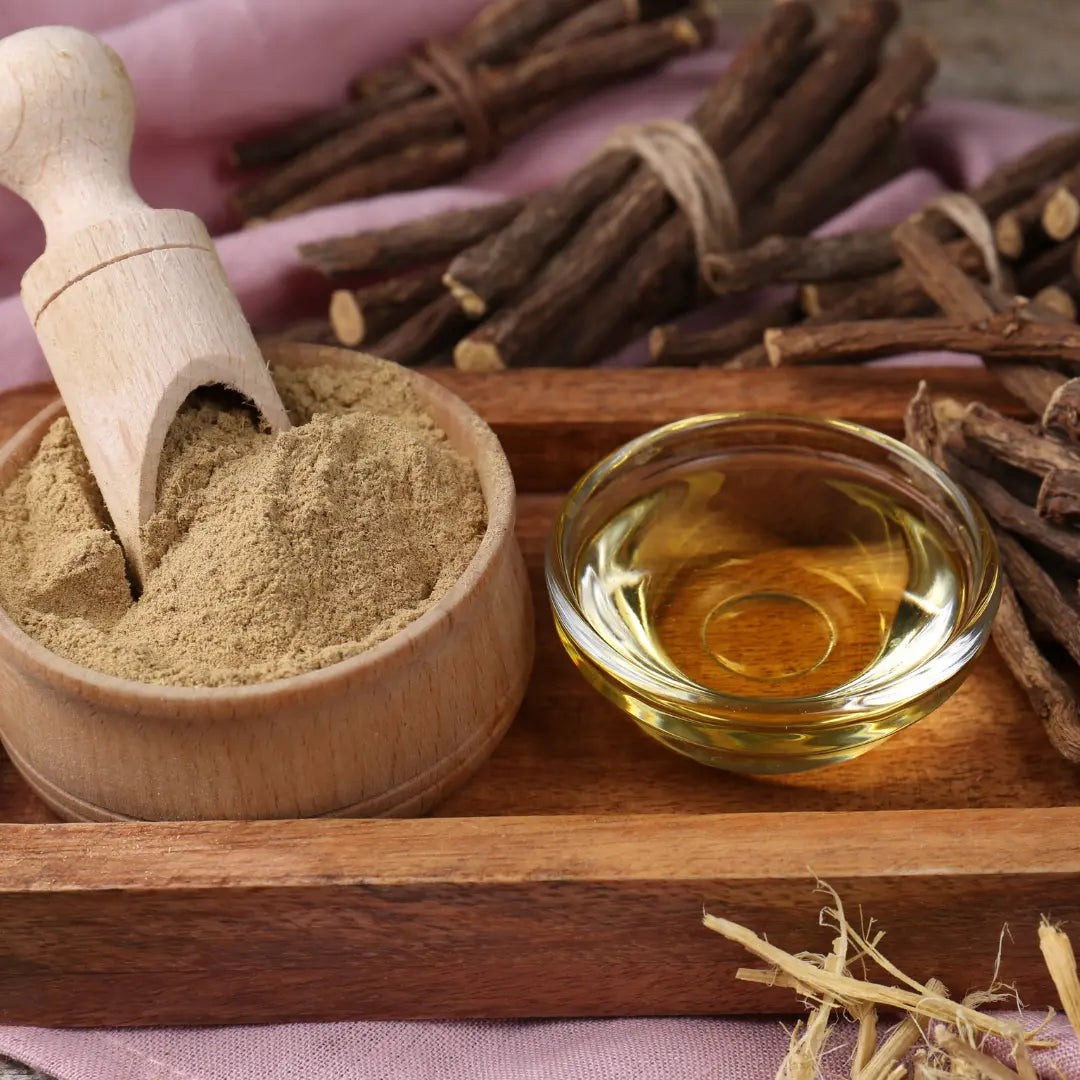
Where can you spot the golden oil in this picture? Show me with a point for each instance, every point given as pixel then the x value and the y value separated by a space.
pixel 768 593
pixel 765 577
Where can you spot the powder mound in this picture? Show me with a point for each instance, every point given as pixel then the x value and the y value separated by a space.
pixel 269 555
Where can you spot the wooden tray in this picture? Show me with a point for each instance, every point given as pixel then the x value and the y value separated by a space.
pixel 568 878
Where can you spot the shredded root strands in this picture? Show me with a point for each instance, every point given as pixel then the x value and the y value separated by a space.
pixel 950 1031
pixel 804 1053
pixel 898 1043
pixel 983 1064
pixel 850 992
pixel 1057 951
pixel 866 1042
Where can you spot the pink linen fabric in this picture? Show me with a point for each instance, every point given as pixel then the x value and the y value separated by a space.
pixel 207 72
pixel 673 1049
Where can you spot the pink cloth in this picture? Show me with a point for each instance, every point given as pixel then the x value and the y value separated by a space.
pixel 206 72
pixel 210 71
pixel 675 1049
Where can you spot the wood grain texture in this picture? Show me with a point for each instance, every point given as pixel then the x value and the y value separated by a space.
pixel 568 877
pixel 232 922
pixel 555 424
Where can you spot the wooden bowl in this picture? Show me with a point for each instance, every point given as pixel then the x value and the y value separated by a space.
pixel 384 733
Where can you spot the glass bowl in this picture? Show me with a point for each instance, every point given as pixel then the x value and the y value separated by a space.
pixel 768 593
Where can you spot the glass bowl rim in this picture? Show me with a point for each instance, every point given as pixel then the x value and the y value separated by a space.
pixel 961 647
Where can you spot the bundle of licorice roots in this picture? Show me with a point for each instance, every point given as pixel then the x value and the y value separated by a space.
pixel 1019 226
pixel 797 127
pixel 452 105
pixel 1026 477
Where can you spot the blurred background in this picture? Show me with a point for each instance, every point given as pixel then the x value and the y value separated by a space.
pixel 1022 52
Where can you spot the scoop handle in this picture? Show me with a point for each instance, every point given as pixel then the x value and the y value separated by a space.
pixel 67 116
pixel 131 305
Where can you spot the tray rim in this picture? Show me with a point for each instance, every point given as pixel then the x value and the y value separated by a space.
pixel 162 924
pixel 316 852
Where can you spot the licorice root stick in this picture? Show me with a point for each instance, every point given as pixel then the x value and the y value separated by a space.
pixel 961 298
pixel 846 253
pixel 1061 215
pixel 504 264
pixel 501 91
pixel 871 122
pixel 1003 336
pixel 359 315
pixel 1060 296
pixel 945 283
pixel 1045 268
pixel 767 151
pixel 894 294
pixel 649 283
pixel 416 166
pixel 599 17
pixel 1050 695
pixel 499 32
pixel 1061 415
pixel 1015 515
pixel 424 334
pixel 413 243
pixel 1019 228
pixel 796 259
pixel 676 346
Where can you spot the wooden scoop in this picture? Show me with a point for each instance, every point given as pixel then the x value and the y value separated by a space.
pixel 131 305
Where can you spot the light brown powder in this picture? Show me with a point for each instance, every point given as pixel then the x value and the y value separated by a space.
pixel 269 555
